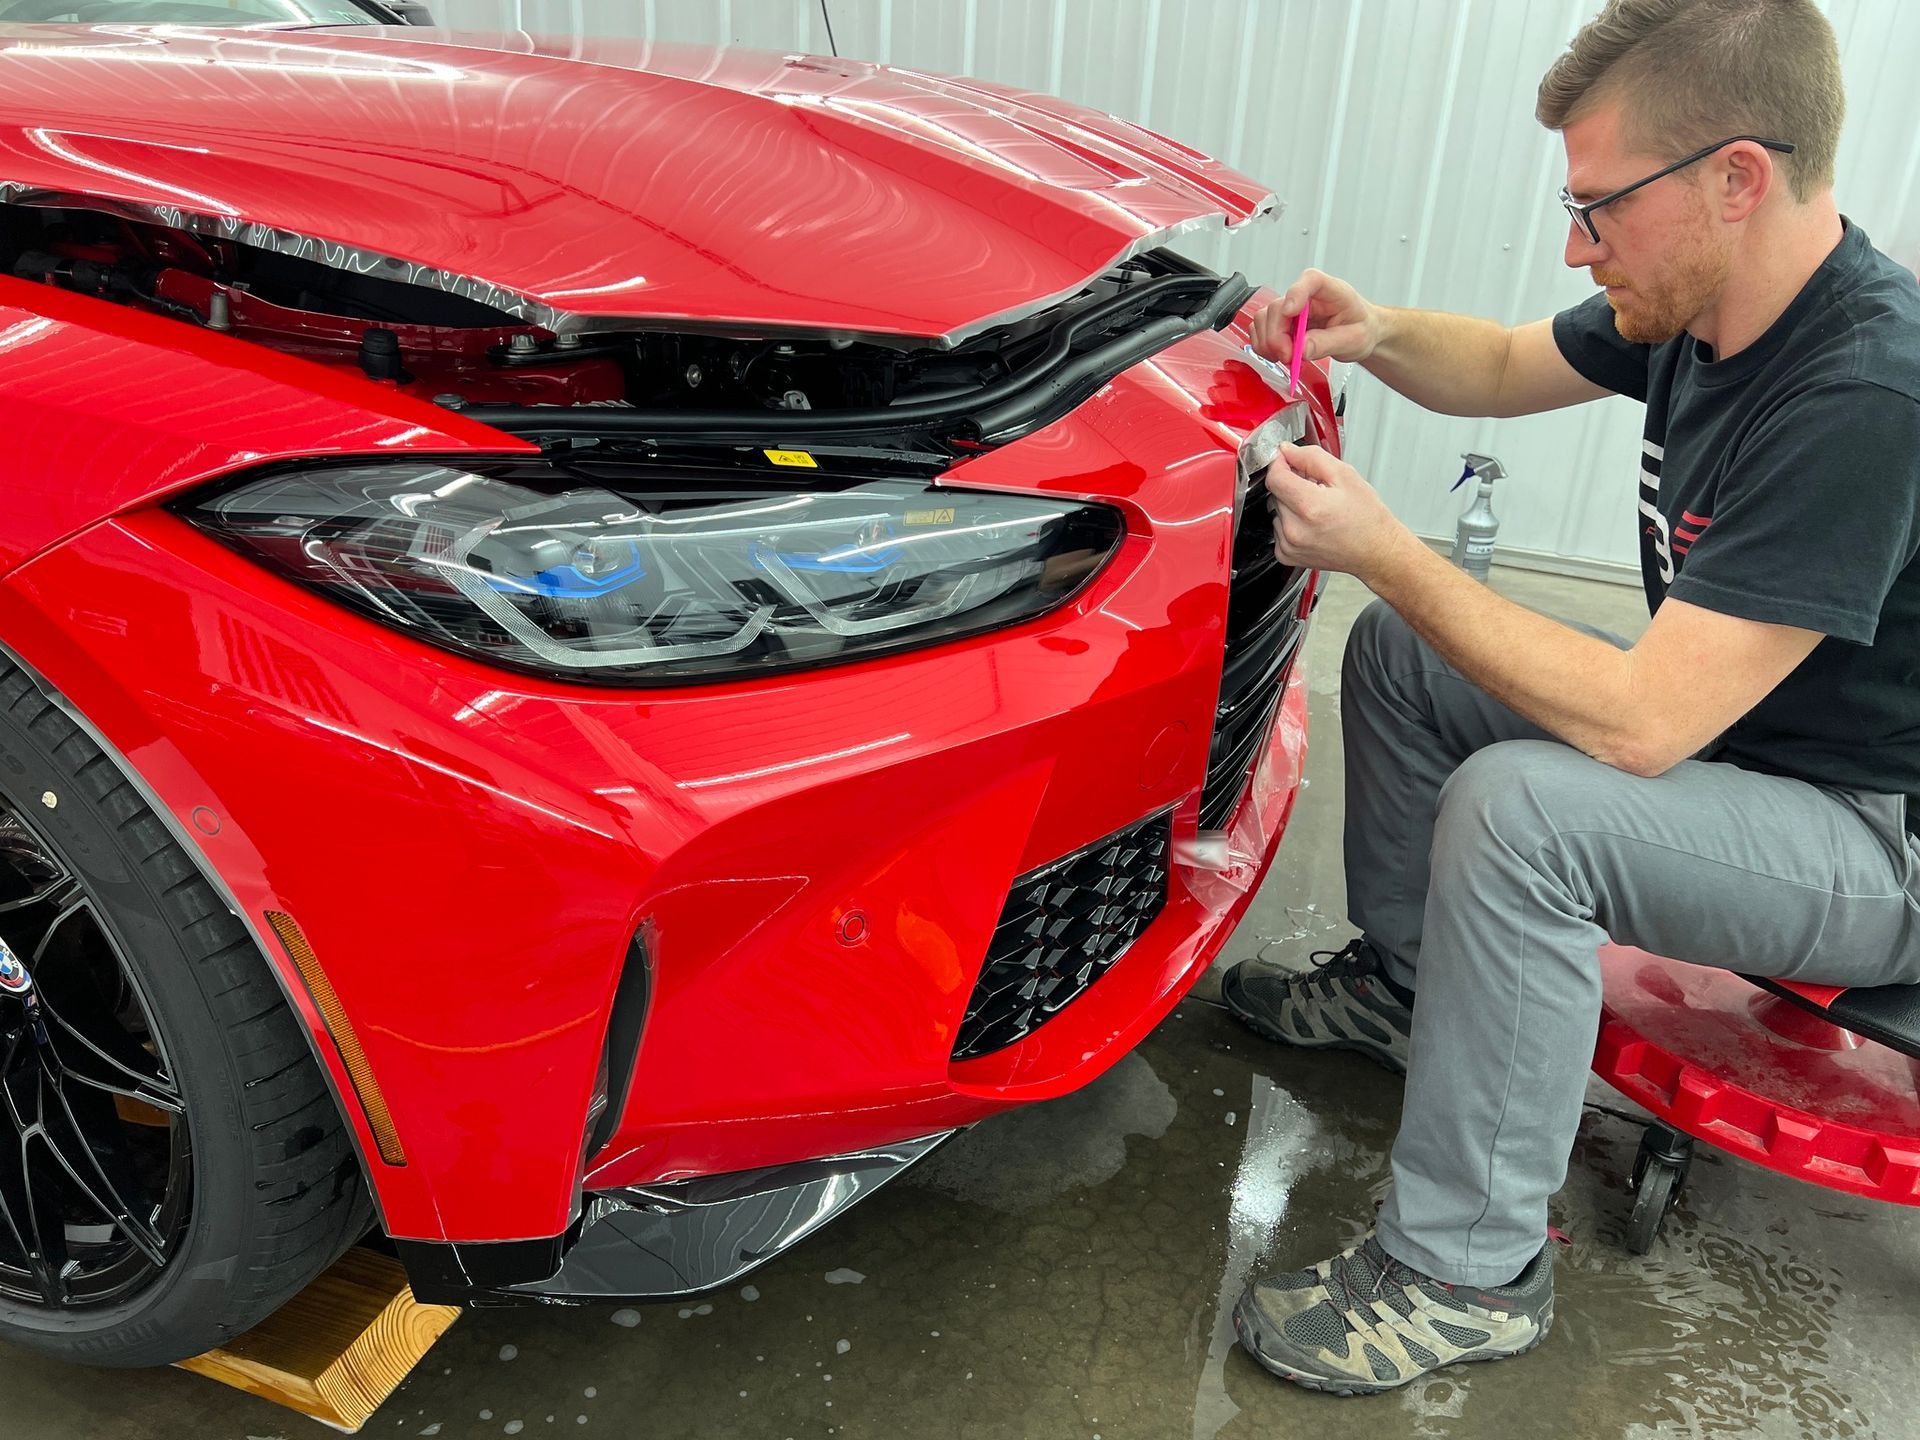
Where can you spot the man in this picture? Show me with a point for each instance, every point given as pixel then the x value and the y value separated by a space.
pixel 1731 790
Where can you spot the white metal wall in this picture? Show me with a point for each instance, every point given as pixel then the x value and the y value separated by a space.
pixel 1399 135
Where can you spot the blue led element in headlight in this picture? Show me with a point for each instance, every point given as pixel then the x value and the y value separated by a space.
pixel 864 561
pixel 569 580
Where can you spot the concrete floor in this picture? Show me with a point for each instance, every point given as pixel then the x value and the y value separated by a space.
pixel 1068 1270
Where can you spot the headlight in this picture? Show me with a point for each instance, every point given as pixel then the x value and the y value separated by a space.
pixel 618 574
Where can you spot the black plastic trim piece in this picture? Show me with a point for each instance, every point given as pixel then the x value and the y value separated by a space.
pixel 1264 630
pixel 621 1049
pixel 445 1273
pixel 1000 411
pixel 1060 391
pixel 1063 926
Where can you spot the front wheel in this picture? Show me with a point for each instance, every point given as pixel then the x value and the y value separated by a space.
pixel 172 1165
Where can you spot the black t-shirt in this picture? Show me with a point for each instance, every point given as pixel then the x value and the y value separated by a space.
pixel 1783 485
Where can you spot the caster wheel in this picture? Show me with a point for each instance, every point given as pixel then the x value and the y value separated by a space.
pixel 1659 1170
pixel 1659 1187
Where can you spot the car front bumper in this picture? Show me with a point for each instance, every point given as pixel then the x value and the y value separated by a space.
pixel 809 869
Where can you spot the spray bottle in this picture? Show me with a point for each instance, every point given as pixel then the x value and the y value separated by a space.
pixel 1473 536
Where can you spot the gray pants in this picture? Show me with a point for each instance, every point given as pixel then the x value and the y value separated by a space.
pixel 1488 861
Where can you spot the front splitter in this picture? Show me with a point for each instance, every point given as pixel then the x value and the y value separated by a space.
pixel 661 1241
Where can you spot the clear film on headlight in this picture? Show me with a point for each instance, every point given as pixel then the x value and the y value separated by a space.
pixel 658 577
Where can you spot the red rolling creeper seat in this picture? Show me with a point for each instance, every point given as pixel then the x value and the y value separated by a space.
pixel 1814 1081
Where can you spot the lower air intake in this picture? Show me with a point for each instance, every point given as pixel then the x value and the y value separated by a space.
pixel 1063 927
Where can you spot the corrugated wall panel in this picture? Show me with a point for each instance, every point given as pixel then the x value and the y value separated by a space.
pixel 1398 133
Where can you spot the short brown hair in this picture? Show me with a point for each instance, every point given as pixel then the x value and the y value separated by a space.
pixel 1694 71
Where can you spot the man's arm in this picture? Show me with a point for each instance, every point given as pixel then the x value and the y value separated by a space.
pixel 1455 364
pixel 1691 675
pixel 1460 365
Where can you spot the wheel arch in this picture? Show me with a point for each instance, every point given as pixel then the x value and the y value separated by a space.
pixel 321 1043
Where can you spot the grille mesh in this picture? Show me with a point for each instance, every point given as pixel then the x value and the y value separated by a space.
pixel 1263 633
pixel 1062 928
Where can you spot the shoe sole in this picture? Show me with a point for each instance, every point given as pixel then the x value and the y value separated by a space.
pixel 1386 1059
pixel 1351 1388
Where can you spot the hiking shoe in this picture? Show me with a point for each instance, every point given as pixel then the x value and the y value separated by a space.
pixel 1363 1323
pixel 1343 1003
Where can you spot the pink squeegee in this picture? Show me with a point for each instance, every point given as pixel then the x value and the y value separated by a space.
pixel 1293 361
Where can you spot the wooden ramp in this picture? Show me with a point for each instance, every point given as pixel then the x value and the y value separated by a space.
pixel 339 1348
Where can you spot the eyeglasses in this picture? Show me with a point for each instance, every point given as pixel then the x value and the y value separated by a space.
pixel 1583 214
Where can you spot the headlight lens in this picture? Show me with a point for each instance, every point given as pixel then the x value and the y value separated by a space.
pixel 661 577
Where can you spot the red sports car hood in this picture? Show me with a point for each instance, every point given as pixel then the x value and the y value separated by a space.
pixel 578 181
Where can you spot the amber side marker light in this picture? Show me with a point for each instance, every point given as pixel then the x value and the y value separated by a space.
pixel 345 1039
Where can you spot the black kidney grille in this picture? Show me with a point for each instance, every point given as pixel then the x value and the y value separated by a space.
pixel 1062 928
pixel 1263 632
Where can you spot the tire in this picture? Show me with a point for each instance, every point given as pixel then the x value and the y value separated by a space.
pixel 260 1185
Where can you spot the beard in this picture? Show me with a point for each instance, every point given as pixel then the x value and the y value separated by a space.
pixel 1659 307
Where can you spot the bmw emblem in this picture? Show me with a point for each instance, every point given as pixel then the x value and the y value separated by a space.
pixel 14 979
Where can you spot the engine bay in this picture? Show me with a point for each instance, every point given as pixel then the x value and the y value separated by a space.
pixel 445 347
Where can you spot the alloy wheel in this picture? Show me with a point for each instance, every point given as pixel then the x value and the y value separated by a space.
pixel 95 1149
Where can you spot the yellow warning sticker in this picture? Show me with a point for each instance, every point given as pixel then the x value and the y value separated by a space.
pixel 792 457
pixel 929 517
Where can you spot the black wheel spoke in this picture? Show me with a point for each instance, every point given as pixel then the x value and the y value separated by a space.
pixel 60 1131
pixel 80 1060
pixel 41 1267
pixel 95 1154
pixel 64 906
pixel 16 1216
pixel 29 874
pixel 159 1093
pixel 23 1211
pixel 99 1052
pixel 37 914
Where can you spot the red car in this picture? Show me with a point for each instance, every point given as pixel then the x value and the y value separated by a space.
pixel 600 644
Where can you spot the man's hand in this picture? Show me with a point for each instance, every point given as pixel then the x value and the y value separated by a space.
pixel 1340 325
pixel 1326 517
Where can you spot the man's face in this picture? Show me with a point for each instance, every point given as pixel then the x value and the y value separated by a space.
pixel 1662 256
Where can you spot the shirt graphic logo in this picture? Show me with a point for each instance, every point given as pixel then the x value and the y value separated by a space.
pixel 1689 530
pixel 1656 527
